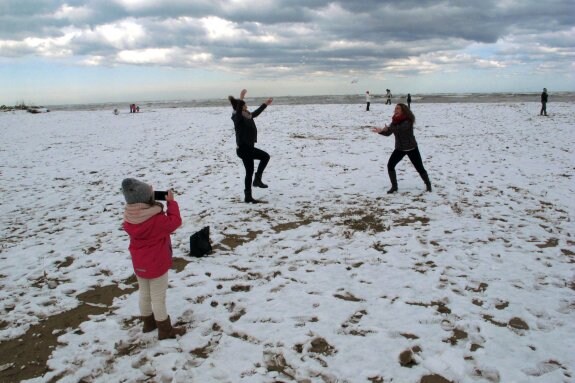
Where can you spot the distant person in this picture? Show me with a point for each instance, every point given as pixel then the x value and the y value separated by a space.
pixel 246 137
pixel 116 112
pixel 544 98
pixel 367 100
pixel 402 128
pixel 149 229
pixel 138 109
pixel 409 100
pixel 388 97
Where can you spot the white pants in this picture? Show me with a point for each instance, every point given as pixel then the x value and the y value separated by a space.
pixel 153 297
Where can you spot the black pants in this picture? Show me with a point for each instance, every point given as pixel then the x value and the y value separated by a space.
pixel 543 109
pixel 367 108
pixel 248 155
pixel 413 155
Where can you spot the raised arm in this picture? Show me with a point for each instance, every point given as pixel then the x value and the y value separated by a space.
pixel 262 107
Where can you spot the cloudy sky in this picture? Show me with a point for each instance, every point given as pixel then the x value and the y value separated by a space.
pixel 78 51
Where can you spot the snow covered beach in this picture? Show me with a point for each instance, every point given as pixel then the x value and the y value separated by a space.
pixel 330 280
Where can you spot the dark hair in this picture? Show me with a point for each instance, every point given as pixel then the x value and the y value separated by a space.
pixel 236 104
pixel 233 101
pixel 407 112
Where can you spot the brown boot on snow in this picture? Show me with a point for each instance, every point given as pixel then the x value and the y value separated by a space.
pixel 166 331
pixel 149 323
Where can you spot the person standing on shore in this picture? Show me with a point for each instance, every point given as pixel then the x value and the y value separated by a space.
pixel 544 98
pixel 150 246
pixel 388 96
pixel 402 128
pixel 409 100
pixel 367 100
pixel 246 137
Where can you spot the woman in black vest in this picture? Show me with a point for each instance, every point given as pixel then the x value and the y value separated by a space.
pixel 246 137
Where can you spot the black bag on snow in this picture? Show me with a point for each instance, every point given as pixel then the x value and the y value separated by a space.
pixel 200 243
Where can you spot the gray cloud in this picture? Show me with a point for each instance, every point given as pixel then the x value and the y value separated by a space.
pixel 301 36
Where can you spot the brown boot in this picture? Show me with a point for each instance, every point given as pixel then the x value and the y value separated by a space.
pixel 166 331
pixel 149 323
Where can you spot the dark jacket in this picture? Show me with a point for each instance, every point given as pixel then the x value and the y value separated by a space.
pixel 544 97
pixel 404 138
pixel 245 127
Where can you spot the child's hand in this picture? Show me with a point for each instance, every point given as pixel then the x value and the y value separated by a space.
pixel 170 196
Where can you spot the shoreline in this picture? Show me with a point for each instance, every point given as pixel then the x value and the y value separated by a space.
pixel 439 98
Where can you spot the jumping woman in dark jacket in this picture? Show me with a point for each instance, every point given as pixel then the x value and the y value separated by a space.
pixel 402 128
pixel 246 137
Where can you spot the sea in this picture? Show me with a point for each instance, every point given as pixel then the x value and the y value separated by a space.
pixel 327 99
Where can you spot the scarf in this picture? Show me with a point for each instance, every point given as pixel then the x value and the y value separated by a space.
pixel 136 213
pixel 398 119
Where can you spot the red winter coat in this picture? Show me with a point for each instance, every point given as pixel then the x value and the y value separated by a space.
pixel 150 244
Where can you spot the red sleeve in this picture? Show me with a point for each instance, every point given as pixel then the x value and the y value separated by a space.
pixel 172 220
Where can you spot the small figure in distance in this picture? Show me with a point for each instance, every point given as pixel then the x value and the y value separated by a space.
pixel 544 98
pixel 367 100
pixel 388 96
pixel 409 100
pixel 402 128
pixel 246 138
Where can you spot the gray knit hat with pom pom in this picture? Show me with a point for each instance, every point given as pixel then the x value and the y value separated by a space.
pixel 136 191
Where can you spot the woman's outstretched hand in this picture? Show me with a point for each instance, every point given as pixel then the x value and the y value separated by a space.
pixel 269 101
pixel 380 130
pixel 243 93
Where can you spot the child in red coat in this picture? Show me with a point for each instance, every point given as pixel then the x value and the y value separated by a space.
pixel 149 228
